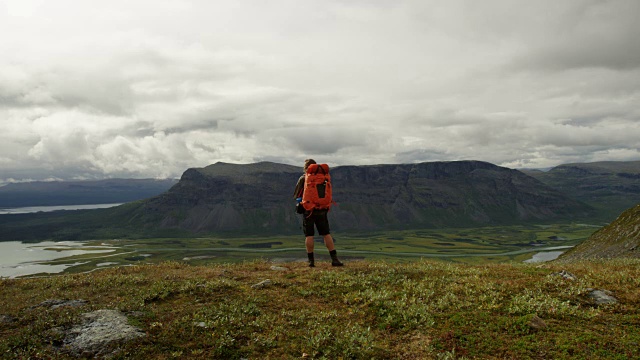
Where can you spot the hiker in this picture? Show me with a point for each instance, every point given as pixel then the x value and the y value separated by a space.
pixel 315 217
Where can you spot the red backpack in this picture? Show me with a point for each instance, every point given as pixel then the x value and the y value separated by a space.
pixel 317 187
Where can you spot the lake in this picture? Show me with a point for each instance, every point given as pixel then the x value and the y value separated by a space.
pixel 35 209
pixel 546 255
pixel 20 259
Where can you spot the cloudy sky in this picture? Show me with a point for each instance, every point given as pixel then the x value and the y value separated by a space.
pixel 137 88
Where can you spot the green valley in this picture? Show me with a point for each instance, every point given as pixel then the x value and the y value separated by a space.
pixel 472 246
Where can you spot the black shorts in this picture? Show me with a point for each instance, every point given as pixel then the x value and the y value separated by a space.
pixel 317 218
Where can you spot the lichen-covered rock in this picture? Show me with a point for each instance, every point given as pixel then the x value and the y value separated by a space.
pixel 566 275
pixel 100 330
pixel 262 284
pixel 601 297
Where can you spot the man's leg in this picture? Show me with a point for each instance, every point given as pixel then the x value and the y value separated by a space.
pixel 307 228
pixel 322 222
pixel 308 242
pixel 328 241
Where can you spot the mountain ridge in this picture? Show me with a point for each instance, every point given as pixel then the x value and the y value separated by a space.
pixel 81 192
pixel 224 197
pixel 609 186
pixel 257 199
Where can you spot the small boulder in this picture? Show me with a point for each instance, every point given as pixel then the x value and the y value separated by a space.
pixel 566 275
pixel 98 332
pixel 601 297
pixel 537 323
pixel 56 303
pixel 6 319
pixel 262 284
pixel 279 268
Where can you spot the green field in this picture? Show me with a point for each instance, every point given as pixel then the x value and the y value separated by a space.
pixel 471 246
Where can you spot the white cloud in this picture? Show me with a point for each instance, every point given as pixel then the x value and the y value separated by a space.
pixel 148 89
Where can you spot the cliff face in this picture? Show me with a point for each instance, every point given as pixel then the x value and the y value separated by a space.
pixel 257 198
pixel 621 238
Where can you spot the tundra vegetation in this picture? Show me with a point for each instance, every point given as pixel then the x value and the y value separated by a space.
pixel 368 309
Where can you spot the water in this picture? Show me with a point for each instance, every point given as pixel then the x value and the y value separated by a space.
pixel 20 259
pixel 23 259
pixel 544 256
pixel 35 209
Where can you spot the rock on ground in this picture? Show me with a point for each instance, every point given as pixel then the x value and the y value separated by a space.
pixel 566 275
pixel 6 319
pixel 56 303
pixel 98 332
pixel 537 323
pixel 601 297
pixel 262 284
pixel 279 268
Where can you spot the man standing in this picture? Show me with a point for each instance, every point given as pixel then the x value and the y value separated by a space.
pixel 317 218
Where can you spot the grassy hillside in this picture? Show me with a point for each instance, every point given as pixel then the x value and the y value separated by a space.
pixel 366 310
pixel 621 238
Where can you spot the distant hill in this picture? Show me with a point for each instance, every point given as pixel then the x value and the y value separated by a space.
pixel 609 186
pixel 621 238
pixel 51 193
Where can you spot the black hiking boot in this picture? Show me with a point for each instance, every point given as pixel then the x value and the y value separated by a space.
pixel 334 259
pixel 311 260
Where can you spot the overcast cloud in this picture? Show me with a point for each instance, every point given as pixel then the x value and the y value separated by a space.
pixel 137 88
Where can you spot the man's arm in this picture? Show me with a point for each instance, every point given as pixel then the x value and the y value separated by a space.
pixel 299 188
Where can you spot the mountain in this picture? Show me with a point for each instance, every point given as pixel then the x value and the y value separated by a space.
pixel 50 193
pixel 621 238
pixel 257 199
pixel 609 186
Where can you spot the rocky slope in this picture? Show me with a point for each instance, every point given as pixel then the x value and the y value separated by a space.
pixel 621 238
